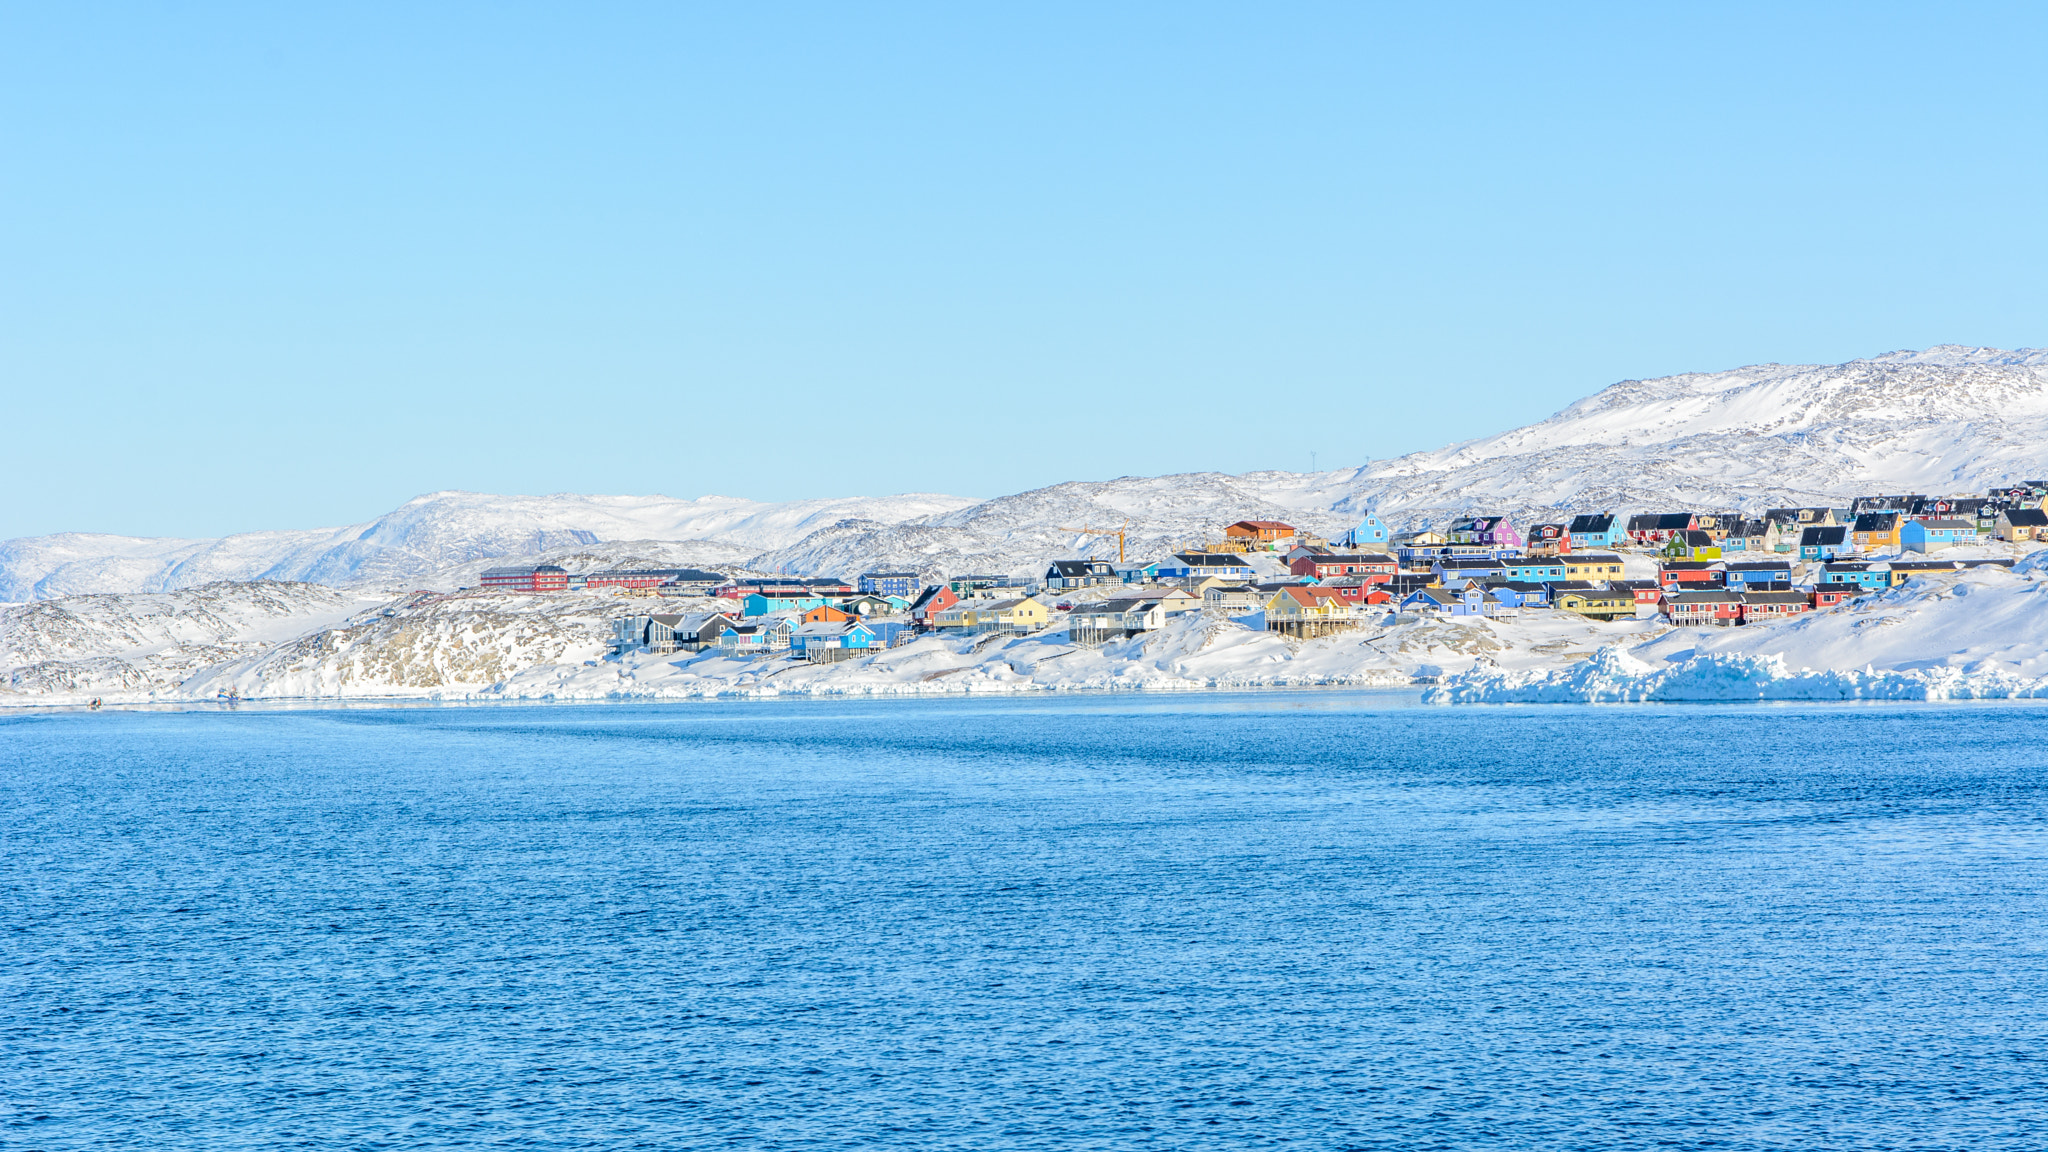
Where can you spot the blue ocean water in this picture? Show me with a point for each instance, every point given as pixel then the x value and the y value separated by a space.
pixel 1283 920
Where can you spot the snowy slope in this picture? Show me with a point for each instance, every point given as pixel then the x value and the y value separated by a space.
pixel 133 646
pixel 427 537
pixel 1971 635
pixel 1943 421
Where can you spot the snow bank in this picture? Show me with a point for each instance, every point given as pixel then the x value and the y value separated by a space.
pixel 1976 635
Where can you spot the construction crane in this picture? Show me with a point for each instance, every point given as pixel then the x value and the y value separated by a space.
pixel 1116 532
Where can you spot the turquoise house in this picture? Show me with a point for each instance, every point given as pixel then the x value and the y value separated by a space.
pixel 758 604
pixel 1370 532
pixel 1934 535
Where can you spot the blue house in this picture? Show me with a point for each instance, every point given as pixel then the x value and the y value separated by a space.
pixel 1825 543
pixel 904 584
pixel 1468 568
pixel 1858 572
pixel 1740 577
pixel 761 604
pixel 1370 533
pixel 1202 565
pixel 1534 569
pixel 1521 594
pixel 1596 530
pixel 1934 535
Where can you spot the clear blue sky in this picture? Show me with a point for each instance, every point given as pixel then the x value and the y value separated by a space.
pixel 265 268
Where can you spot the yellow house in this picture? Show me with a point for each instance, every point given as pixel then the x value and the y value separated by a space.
pixel 1020 615
pixel 1591 566
pixel 1599 605
pixel 1874 530
pixel 1307 610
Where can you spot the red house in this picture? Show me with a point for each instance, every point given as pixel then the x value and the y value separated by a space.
pixel 531 578
pixel 1379 566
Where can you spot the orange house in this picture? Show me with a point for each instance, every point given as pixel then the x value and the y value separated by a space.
pixel 1258 531
pixel 826 614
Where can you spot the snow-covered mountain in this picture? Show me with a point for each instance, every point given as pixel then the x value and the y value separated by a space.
pixel 435 538
pixel 1946 420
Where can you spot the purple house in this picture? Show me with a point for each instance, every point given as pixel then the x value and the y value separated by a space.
pixel 1490 531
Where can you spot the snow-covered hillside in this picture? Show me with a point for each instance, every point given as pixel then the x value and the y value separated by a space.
pixel 431 539
pixel 134 646
pixel 1978 634
pixel 1942 421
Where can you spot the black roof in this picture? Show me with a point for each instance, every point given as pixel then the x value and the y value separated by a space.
pixel 1817 535
pixel 2027 518
pixel 1660 522
pixel 1592 522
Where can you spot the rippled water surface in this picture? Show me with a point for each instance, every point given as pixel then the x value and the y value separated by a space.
pixel 1288 920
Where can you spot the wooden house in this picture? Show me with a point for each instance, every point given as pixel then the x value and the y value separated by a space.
pixel 1654 529
pixel 1548 539
pixel 1829 595
pixel 1692 544
pixel 1599 601
pixel 1369 533
pixel 930 603
pixel 1935 535
pixel 1234 599
pixel 1901 571
pixel 1825 543
pixel 1760 575
pixel 1595 530
pixel 1307 610
pixel 1691 575
pixel 1592 566
pixel 1256 535
pixel 1191 566
pixel 1862 573
pixel 1536 569
pixel 1063 574
pixel 1874 530
pixel 1488 531
pixel 1764 607
pixel 1342 564
pixel 2022 524
pixel 1720 609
